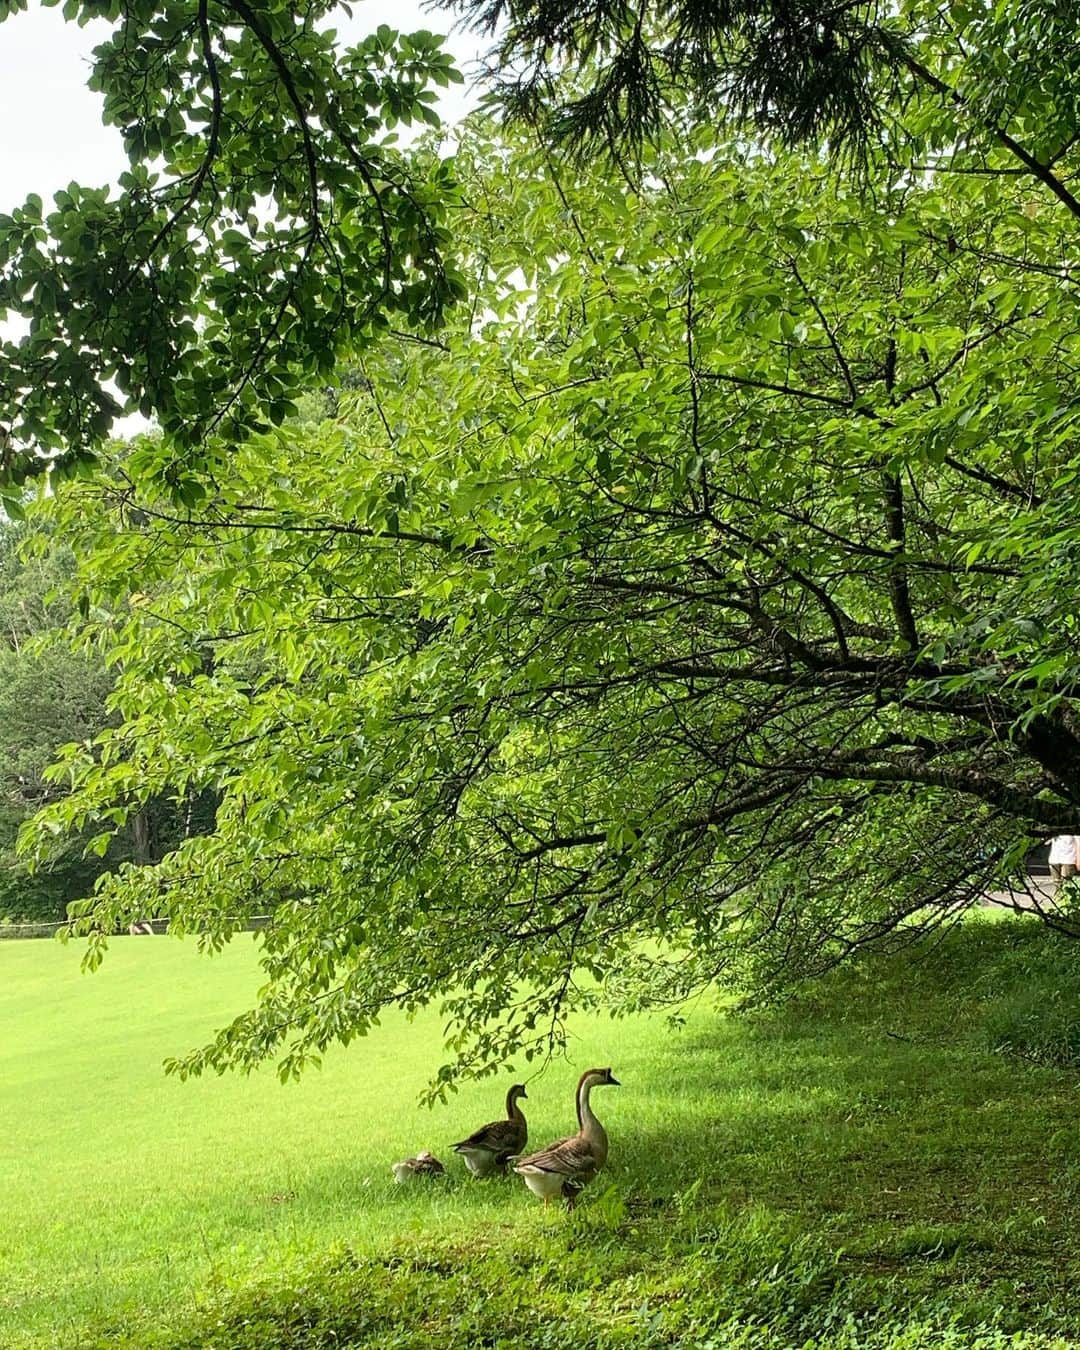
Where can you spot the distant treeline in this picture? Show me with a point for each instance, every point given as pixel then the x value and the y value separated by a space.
pixel 52 694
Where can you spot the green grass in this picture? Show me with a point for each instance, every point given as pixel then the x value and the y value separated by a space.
pixel 874 1166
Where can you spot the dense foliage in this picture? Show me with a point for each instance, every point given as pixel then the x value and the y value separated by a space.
pixel 806 69
pixel 713 584
pixel 867 78
pixel 265 222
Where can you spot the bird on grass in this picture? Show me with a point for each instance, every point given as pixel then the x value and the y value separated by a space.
pixel 425 1164
pixel 488 1149
pixel 564 1167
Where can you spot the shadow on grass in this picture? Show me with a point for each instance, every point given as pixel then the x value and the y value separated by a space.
pixel 798 1177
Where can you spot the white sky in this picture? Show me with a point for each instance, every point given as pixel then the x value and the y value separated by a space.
pixel 51 123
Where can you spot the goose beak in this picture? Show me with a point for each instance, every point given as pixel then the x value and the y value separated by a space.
pixel 613 1081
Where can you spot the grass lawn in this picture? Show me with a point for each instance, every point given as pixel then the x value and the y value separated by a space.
pixel 866 1168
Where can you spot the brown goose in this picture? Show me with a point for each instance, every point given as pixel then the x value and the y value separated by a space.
pixel 487 1149
pixel 570 1163
pixel 425 1164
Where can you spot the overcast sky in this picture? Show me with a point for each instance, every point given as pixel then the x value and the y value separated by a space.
pixel 52 131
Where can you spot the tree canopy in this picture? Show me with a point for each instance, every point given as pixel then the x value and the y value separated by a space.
pixel 267 226
pixel 699 611
pixel 953 85
pixel 266 223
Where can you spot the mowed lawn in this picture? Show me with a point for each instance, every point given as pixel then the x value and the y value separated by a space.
pixel 876 1138
pixel 126 1189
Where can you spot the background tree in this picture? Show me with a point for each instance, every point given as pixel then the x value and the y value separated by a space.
pixel 52 695
pixel 49 695
pixel 714 585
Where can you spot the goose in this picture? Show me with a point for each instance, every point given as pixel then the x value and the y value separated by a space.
pixel 487 1149
pixel 570 1163
pixel 425 1164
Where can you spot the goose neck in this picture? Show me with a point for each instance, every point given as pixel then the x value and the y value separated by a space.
pixel 587 1122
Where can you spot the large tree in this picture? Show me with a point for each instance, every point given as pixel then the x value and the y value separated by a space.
pixel 713 582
